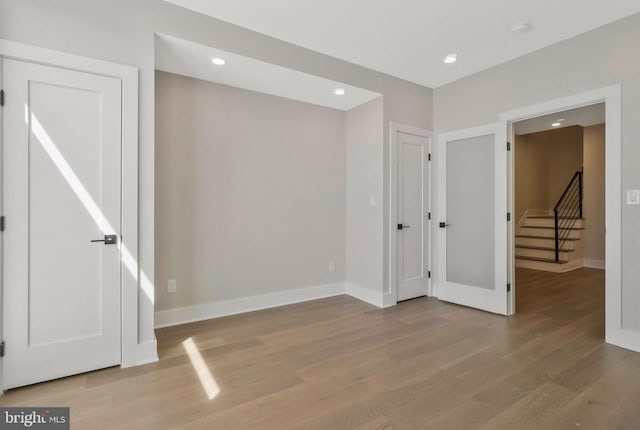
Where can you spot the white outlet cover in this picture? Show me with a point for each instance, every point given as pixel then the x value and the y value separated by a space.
pixel 332 266
pixel 172 286
pixel 372 200
pixel 633 197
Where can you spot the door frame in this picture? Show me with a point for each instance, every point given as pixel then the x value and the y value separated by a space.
pixel 499 216
pixel 131 276
pixel 612 97
pixel 394 129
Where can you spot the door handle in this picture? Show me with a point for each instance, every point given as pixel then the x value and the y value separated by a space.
pixel 109 239
pixel 444 225
pixel 402 226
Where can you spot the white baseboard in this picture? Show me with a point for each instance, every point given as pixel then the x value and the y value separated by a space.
pixel 143 353
pixel 365 295
pixel 594 264
pixel 171 317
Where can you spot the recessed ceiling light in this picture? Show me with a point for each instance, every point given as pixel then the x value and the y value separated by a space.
pixel 339 91
pixel 520 27
pixel 556 124
pixel 560 119
pixel 218 61
pixel 451 58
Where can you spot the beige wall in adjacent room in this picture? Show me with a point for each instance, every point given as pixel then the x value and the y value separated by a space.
pixel 250 193
pixel 545 162
pixel 594 195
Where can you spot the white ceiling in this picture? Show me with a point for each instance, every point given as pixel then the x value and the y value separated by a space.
pixel 194 60
pixel 584 116
pixel 410 38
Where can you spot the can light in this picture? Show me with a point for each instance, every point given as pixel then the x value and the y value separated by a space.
pixel 451 58
pixel 339 91
pixel 218 61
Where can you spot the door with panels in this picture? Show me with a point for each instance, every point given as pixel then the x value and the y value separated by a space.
pixel 62 202
pixel 472 219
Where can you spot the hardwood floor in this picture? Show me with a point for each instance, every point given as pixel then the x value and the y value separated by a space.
pixel 341 364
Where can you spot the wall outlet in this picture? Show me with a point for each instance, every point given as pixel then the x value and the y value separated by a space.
pixel 372 200
pixel 171 286
pixel 633 197
pixel 332 266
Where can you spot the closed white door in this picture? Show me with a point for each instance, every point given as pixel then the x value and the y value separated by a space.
pixel 62 149
pixel 413 215
pixel 472 219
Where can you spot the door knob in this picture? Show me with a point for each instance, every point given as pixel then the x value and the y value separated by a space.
pixel 109 239
pixel 402 226
pixel 444 225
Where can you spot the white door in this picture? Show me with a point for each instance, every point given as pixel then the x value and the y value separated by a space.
pixel 412 215
pixel 62 147
pixel 472 219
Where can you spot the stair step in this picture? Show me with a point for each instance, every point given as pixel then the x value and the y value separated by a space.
pixel 542 237
pixel 548 253
pixel 553 217
pixel 544 248
pixel 568 222
pixel 546 260
pixel 546 232
pixel 553 228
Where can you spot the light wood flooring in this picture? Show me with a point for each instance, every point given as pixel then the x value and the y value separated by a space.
pixel 339 363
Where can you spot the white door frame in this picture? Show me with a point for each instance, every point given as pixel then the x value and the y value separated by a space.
pixel 394 129
pixel 611 96
pixel 132 351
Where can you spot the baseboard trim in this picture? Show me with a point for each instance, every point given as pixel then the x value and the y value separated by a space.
pixel 143 353
pixel 594 264
pixel 171 317
pixel 365 295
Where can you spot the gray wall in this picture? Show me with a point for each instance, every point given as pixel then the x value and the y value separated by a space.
pixel 250 194
pixel 602 57
pixel 123 31
pixel 364 223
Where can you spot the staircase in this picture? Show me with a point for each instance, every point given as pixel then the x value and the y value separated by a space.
pixel 535 243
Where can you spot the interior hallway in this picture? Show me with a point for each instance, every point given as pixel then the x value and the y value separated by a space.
pixel 339 363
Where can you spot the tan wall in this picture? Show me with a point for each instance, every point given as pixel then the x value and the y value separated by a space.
pixel 545 162
pixel 594 195
pixel 250 193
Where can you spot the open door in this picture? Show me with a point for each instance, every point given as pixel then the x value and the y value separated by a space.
pixel 472 219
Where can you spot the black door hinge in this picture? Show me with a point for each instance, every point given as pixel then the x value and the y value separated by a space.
pixel 2 223
pixel 508 146
pixel 2 349
pixel 508 216
pixel 429 215
pixel 429 274
pixel 429 157
pixel 1 97
pixel 508 288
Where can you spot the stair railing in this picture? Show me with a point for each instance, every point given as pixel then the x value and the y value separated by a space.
pixel 568 211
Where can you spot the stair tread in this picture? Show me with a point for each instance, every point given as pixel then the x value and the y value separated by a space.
pixel 528 236
pixel 546 260
pixel 553 217
pixel 543 248
pixel 551 228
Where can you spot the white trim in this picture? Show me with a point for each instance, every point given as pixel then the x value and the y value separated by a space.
pixel 132 351
pixel 171 317
pixel 611 96
pixel 594 264
pixel 489 300
pixel 370 296
pixel 394 129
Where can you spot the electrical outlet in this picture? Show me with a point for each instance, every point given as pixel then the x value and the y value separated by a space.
pixel 332 266
pixel 633 197
pixel 372 200
pixel 172 286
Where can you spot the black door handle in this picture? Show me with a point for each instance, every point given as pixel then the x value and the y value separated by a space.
pixel 402 226
pixel 109 239
pixel 444 225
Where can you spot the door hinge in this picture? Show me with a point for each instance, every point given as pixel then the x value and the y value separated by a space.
pixel 1 97
pixel 429 274
pixel 508 146
pixel 508 216
pixel 2 349
pixel 508 288
pixel 2 223
pixel 429 157
pixel 429 215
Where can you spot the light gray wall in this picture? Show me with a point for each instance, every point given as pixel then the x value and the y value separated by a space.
pixel 594 195
pixel 122 31
pixel 250 192
pixel 364 179
pixel 605 56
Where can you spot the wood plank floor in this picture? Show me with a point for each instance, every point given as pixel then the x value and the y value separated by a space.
pixel 339 363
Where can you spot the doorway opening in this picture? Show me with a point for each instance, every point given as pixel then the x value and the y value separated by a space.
pixel 559 213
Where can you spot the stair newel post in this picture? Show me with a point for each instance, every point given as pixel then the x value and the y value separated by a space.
pixel 557 236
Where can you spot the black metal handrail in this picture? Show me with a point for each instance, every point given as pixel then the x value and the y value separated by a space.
pixel 567 211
